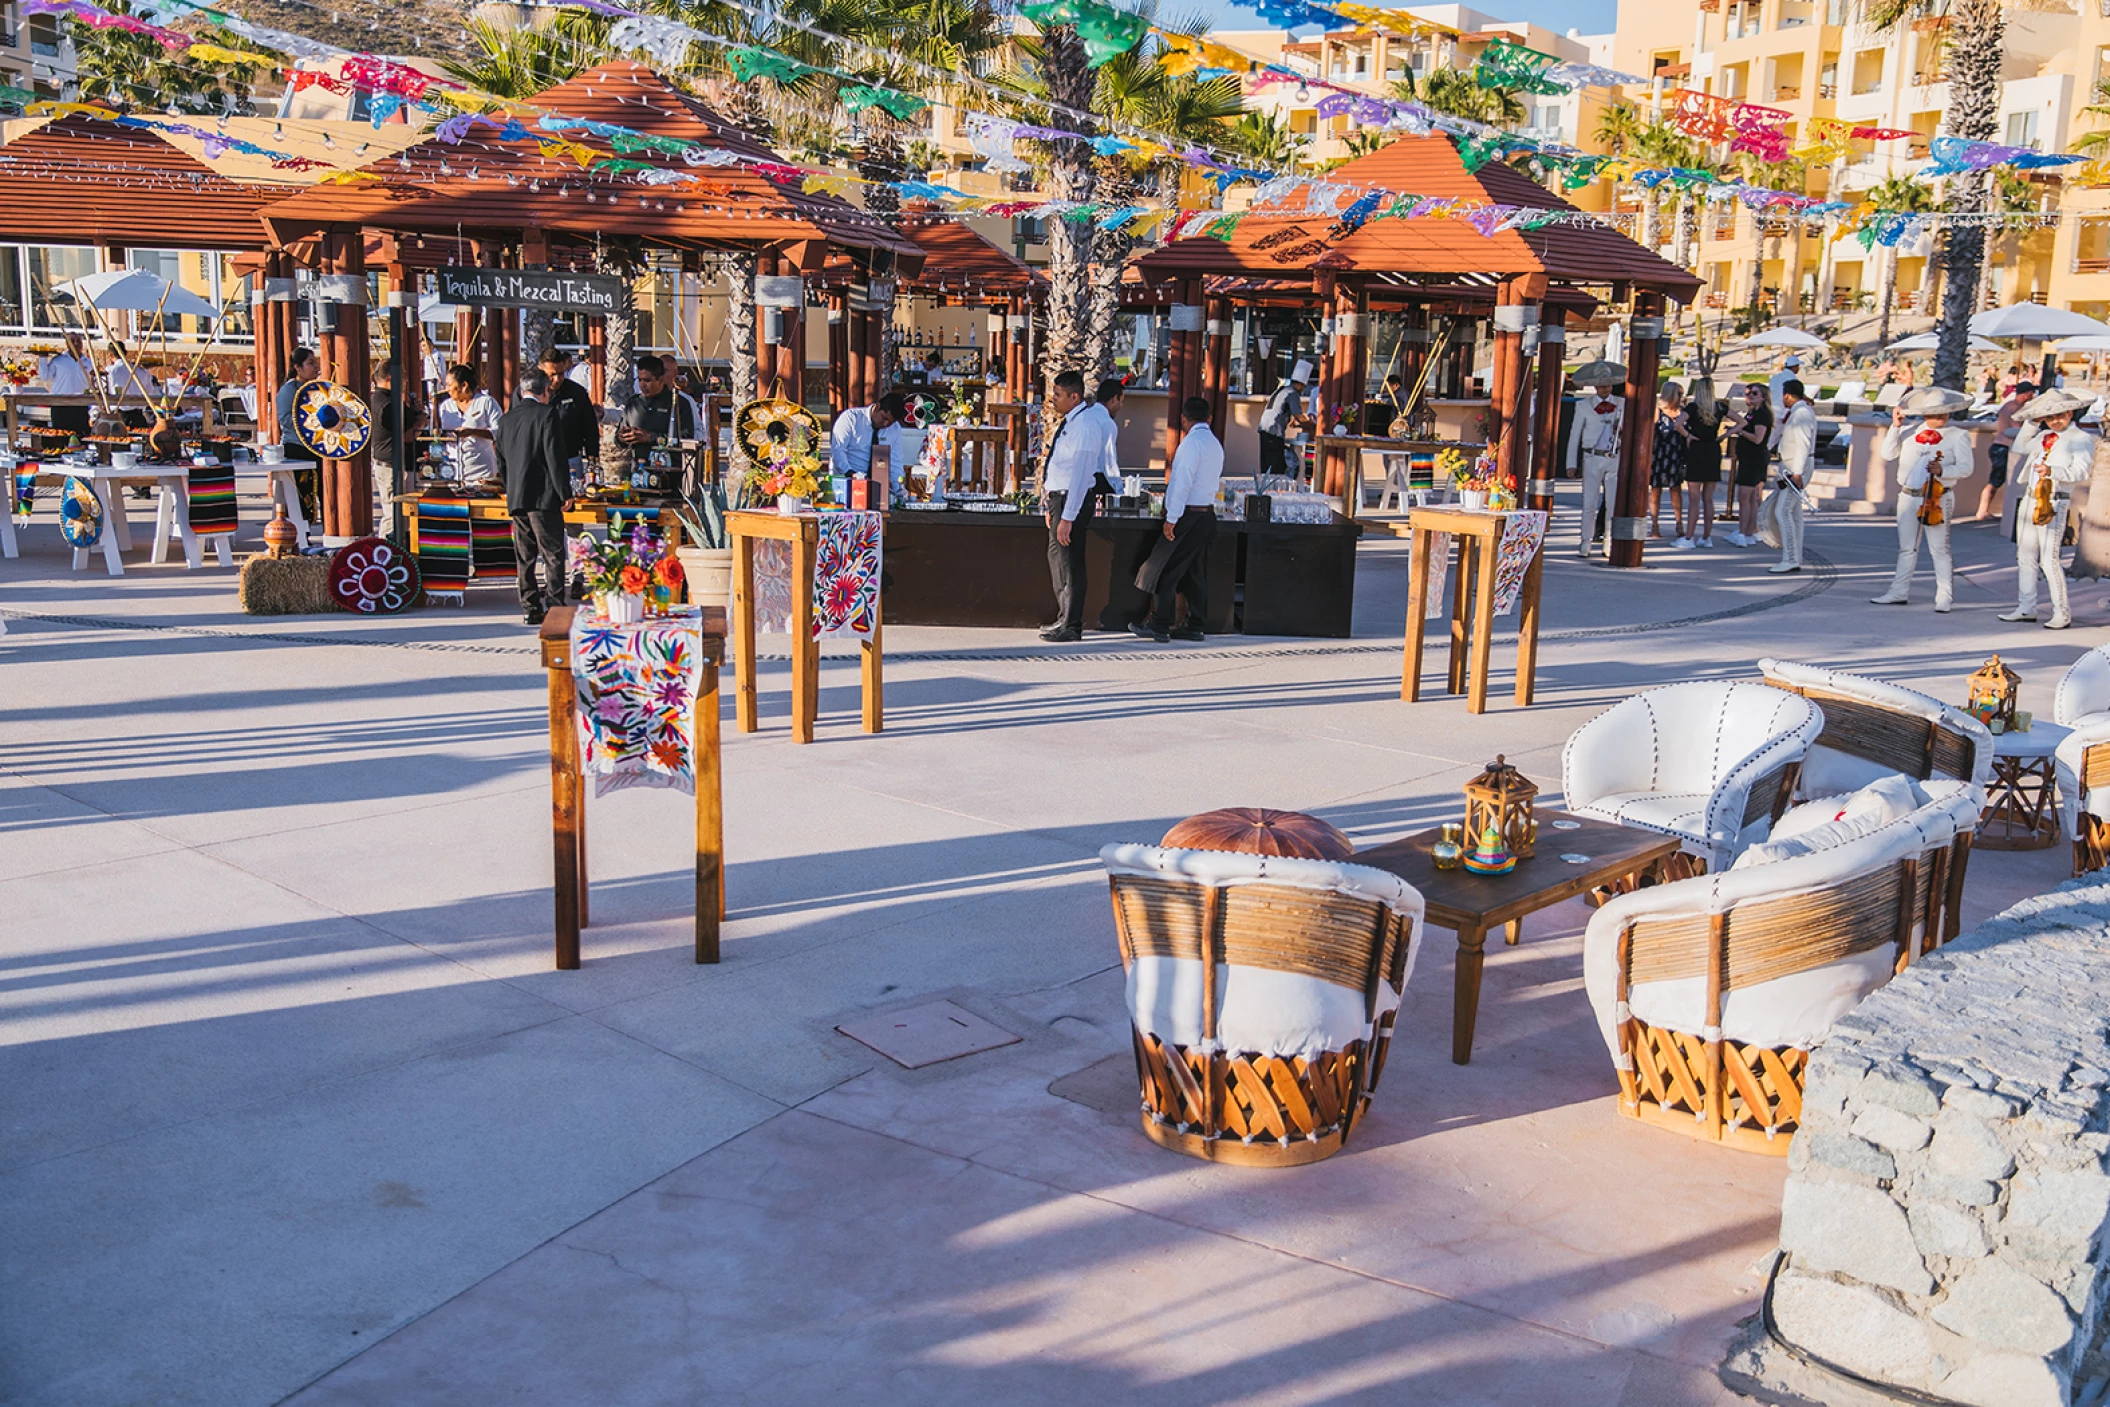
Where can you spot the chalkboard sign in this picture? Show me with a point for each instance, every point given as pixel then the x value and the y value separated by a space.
pixel 530 288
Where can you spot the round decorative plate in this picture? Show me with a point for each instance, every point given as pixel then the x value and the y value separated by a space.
pixel 80 515
pixel 1257 830
pixel 371 577
pixel 329 421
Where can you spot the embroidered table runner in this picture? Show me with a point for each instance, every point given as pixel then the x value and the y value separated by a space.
pixel 637 699
pixel 846 564
pixel 1522 537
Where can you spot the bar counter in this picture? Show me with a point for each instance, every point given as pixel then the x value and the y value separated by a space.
pixel 968 568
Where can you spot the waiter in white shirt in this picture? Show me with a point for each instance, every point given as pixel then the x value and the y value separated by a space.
pixel 858 430
pixel 1078 453
pixel 1798 454
pixel 1105 411
pixel 66 374
pixel 1190 526
pixel 2056 455
pixel 1932 459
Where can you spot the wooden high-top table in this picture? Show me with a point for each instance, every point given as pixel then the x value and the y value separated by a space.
pixel 1479 535
pixel 568 791
pixel 802 531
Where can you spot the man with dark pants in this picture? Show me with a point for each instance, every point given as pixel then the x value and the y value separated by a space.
pixel 306 367
pixel 538 479
pixel 1283 413
pixel 1190 526
pixel 1078 452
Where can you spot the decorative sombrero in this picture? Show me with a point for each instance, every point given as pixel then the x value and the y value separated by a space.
pixel 2054 403
pixel 1599 374
pixel 774 421
pixel 329 421
pixel 370 577
pixel 80 515
pixel 1933 400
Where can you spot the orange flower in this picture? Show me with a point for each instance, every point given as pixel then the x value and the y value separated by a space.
pixel 668 572
pixel 633 578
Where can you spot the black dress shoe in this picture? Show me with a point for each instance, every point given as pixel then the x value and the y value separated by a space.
pixel 1061 635
pixel 1189 632
pixel 533 617
pixel 1143 630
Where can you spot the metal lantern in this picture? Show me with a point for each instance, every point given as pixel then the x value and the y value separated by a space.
pixel 1500 798
pixel 1992 695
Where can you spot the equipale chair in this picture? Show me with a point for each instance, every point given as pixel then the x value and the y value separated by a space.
pixel 1711 762
pixel 1262 992
pixel 1710 991
pixel 2082 761
pixel 1873 729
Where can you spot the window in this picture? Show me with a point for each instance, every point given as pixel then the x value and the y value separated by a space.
pixel 48 270
pixel 1546 117
pixel 2022 129
pixel 1868 71
pixel 1362 65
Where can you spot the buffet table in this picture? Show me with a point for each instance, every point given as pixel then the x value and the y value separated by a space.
pixel 975 568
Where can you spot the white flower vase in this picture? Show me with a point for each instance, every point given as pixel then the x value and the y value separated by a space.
pixel 623 607
pixel 791 506
pixel 1472 500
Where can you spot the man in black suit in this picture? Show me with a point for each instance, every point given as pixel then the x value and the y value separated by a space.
pixel 538 480
pixel 578 420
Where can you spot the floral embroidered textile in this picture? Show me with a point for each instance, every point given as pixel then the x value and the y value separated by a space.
pixel 846 568
pixel 1522 537
pixel 637 689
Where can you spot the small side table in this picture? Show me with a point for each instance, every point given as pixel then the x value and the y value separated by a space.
pixel 2021 807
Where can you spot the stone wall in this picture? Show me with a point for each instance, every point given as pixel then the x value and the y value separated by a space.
pixel 1945 1214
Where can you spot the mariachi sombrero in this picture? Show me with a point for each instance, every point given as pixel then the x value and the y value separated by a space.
pixel 80 515
pixel 329 421
pixel 775 421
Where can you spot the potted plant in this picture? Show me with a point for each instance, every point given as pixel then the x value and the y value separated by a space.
pixel 620 568
pixel 707 557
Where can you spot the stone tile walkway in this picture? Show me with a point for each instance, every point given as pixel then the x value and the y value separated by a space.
pixel 295 1107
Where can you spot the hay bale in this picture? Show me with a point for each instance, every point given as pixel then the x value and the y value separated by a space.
pixel 286 586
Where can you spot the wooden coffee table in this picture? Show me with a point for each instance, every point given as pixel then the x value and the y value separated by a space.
pixel 1471 904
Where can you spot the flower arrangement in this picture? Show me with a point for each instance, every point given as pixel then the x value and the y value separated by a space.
pixel 778 437
pixel 623 563
pixel 962 412
pixel 19 370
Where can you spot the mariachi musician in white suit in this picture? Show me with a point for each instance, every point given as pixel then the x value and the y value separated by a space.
pixel 1593 444
pixel 2057 454
pixel 1932 457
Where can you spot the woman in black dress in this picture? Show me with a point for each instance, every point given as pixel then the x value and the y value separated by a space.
pixel 1667 455
pixel 1754 449
pixel 1703 465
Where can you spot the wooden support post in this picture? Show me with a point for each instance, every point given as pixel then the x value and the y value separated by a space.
pixel 1414 346
pixel 1516 315
pixel 1351 347
pixel 838 355
pixel 567 805
pixel 1217 388
pixel 1181 316
pixel 1630 511
pixel 805 650
pixel 597 357
pixel 710 817
pixel 1546 448
pixel 347 488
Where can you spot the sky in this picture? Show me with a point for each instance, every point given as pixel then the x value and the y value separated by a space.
pixel 1590 16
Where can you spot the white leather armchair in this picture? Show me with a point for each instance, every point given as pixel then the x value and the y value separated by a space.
pixel 1873 728
pixel 2082 760
pixel 1262 991
pixel 1705 761
pixel 1710 991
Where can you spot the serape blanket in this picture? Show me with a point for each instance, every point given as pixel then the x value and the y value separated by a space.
pixel 212 506
pixel 491 549
pixel 1522 537
pixel 637 689
pixel 443 545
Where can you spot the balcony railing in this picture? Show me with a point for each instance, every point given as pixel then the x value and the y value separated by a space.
pixel 2092 266
pixel 1829 91
pixel 1786 93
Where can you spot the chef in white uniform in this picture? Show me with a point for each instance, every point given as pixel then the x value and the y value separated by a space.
pixel 2056 455
pixel 1593 445
pixel 1932 457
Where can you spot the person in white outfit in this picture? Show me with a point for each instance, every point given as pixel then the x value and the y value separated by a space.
pixel 1798 452
pixel 1593 445
pixel 2057 454
pixel 1932 459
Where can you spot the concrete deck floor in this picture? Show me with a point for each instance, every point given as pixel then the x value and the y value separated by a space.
pixel 295 1108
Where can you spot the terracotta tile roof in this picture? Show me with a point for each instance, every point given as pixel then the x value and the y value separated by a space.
pixel 84 180
pixel 1428 166
pixel 498 189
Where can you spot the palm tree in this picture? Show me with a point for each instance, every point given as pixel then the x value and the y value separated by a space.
pixel 1900 195
pixel 1977 41
pixel 1059 72
pixel 119 67
pixel 1264 139
pixel 511 61
pixel 1458 93
pixel 1135 91
pixel 2096 142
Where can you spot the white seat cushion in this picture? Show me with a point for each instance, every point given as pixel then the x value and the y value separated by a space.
pixel 1258 1009
pixel 1682 813
pixel 1797 1010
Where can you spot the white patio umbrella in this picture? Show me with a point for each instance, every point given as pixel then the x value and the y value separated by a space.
pixel 1928 342
pixel 137 291
pixel 1791 337
pixel 432 310
pixel 2092 342
pixel 2034 322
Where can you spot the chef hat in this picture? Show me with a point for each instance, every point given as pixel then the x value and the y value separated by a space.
pixel 1301 372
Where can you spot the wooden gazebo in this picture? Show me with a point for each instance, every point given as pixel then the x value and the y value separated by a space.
pixel 1534 278
pixel 540 202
